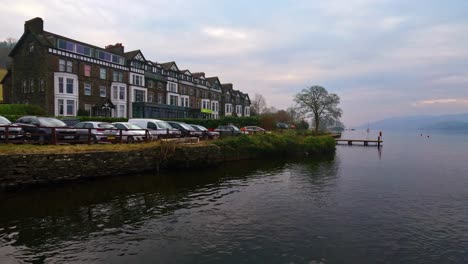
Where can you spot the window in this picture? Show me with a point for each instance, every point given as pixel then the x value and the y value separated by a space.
pixel 121 111
pixel 122 93
pixel 115 93
pixel 87 89
pixel 87 70
pixel 69 86
pixel 117 76
pixel 138 80
pixel 41 85
pixel 31 86
pixel 102 91
pixel 160 98
pixel 160 85
pixel 102 73
pixel 205 104
pixel 62 65
pixel 214 106
pixel 173 99
pixel 184 101
pixel 70 107
pixel 69 66
pixel 239 109
pixel 60 107
pixel 172 87
pixel 139 95
pixel 247 111
pixel 228 108
pixel 150 83
pixel 60 84
pixel 150 97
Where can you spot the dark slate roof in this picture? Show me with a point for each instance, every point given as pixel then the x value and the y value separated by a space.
pixel 226 86
pixel 168 65
pixel 131 54
pixel 198 74
pixel 212 80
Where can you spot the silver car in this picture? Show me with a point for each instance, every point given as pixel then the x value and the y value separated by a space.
pixel 99 131
pixel 132 132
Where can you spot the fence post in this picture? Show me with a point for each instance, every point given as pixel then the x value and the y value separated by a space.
pixel 89 136
pixel 6 134
pixel 54 136
pixel 120 140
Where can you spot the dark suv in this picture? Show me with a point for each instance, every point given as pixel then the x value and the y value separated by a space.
pixel 185 129
pixel 228 130
pixel 9 131
pixel 41 129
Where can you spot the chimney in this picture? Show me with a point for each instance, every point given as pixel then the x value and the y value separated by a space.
pixel 35 25
pixel 117 48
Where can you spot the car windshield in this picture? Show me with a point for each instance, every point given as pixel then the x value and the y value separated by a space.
pixel 106 125
pixel 235 128
pixel 51 122
pixel 202 128
pixel 186 126
pixel 163 125
pixel 4 121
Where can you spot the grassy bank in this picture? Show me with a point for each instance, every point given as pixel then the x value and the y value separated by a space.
pixel 286 144
pixel 11 149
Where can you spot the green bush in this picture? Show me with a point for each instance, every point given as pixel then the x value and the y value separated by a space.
pixel 291 144
pixel 21 110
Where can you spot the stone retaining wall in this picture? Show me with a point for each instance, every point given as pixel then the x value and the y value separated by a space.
pixel 23 170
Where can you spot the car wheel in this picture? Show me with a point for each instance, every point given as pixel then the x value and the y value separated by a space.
pixel 42 139
pixel 130 139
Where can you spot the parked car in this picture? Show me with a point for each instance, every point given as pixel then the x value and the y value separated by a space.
pixel 157 128
pixel 206 134
pixel 228 130
pixel 131 132
pixel 186 130
pixel 282 125
pixel 100 131
pixel 253 130
pixel 15 133
pixel 41 129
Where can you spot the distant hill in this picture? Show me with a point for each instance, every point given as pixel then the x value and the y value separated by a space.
pixel 442 122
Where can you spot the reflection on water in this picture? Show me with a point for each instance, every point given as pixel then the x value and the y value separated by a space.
pixel 407 206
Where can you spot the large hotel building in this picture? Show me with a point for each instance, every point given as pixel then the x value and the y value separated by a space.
pixel 69 78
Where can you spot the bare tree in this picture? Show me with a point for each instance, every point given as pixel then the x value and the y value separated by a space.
pixel 317 101
pixel 258 104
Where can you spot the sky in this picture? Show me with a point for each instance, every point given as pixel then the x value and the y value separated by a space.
pixel 384 58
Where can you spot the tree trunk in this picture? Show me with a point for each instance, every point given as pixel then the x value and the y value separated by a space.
pixel 317 123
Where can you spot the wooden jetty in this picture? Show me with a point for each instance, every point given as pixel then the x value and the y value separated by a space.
pixel 375 142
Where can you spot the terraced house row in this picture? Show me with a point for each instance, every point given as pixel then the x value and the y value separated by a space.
pixel 69 78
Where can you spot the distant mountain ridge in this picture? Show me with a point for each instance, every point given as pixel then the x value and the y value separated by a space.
pixel 442 122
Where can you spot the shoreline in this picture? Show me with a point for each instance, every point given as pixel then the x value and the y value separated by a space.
pixel 21 170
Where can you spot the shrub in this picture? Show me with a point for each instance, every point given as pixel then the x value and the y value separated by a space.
pixel 289 143
pixel 21 110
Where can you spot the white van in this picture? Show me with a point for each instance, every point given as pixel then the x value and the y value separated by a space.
pixel 157 128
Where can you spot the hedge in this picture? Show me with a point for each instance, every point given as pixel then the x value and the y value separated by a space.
pixel 21 110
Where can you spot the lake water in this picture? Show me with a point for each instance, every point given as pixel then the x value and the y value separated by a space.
pixel 404 203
